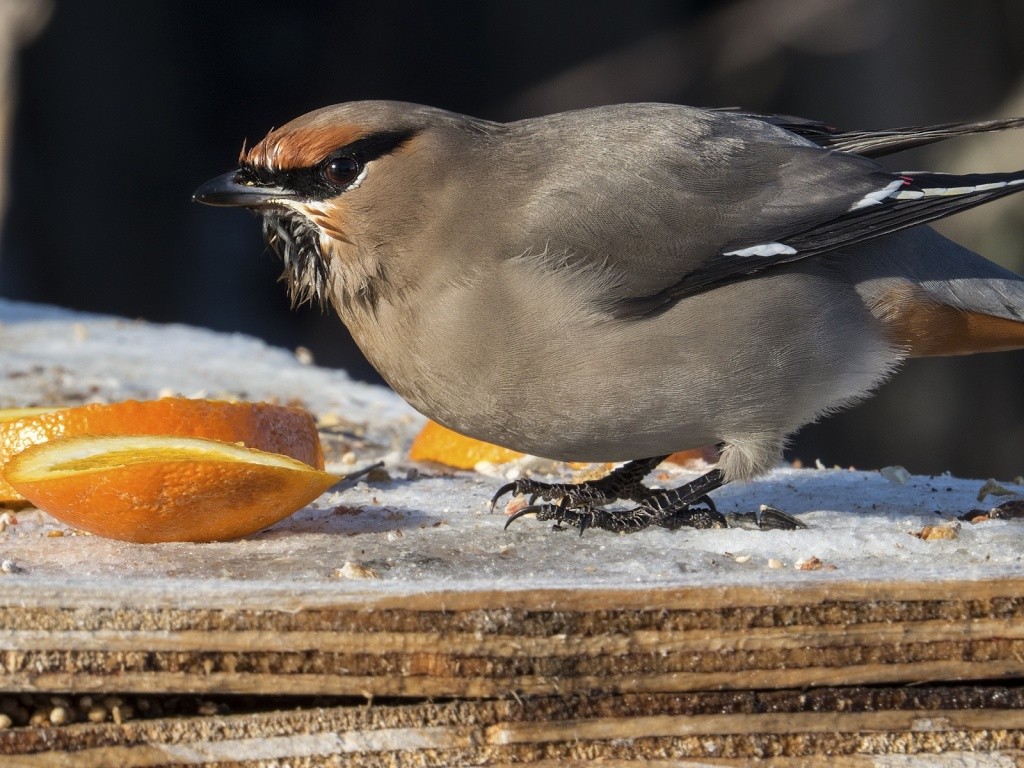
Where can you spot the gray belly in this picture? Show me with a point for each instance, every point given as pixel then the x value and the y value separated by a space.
pixel 762 356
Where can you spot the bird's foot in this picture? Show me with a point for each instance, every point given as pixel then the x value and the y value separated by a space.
pixel 584 516
pixel 583 506
pixel 622 483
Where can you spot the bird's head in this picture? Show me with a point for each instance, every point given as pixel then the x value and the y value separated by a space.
pixel 339 189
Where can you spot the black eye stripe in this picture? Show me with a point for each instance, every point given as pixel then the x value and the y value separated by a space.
pixel 375 145
pixel 313 183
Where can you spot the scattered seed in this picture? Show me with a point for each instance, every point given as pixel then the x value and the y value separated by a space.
pixel 947 531
pixel 304 355
pixel 5 722
pixel 59 715
pixel 775 564
pixel 742 558
pixel 976 516
pixel 342 509
pixel 9 566
pixel 994 488
pixel 328 420
pixel 55 533
pixel 813 563
pixel 769 518
pixel 349 457
pixel 96 714
pixel 352 570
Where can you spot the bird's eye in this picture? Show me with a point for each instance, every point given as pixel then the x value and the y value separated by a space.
pixel 341 171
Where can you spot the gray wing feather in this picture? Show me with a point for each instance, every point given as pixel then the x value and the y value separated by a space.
pixel 676 200
pixel 655 196
pixel 876 143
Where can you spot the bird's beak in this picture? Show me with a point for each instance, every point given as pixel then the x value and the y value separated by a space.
pixel 228 191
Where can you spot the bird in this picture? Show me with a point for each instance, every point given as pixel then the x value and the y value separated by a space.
pixel 617 283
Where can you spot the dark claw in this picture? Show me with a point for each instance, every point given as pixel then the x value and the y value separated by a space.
pixel 506 488
pixel 706 500
pixel 533 509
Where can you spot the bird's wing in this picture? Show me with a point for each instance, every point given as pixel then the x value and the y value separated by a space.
pixel 880 142
pixel 673 203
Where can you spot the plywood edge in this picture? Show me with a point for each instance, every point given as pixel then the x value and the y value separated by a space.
pixel 230 595
pixel 495 644
pixel 537 730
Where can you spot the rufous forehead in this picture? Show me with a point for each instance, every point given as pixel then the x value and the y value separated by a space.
pixel 287 148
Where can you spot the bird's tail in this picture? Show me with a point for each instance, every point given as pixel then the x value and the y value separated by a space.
pixel 886 141
pixel 935 297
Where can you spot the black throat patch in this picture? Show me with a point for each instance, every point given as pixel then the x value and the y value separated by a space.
pixel 297 242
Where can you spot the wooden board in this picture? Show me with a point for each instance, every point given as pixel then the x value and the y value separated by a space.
pixel 530 642
pixel 850 726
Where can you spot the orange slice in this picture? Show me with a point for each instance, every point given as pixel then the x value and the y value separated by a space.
pixel 266 427
pixel 707 454
pixel 145 488
pixel 442 445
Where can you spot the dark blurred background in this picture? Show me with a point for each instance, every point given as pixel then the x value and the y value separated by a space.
pixel 121 108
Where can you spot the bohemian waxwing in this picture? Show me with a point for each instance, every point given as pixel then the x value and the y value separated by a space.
pixel 619 283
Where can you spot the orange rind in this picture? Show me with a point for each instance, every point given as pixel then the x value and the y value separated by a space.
pixel 444 446
pixel 263 426
pixel 146 488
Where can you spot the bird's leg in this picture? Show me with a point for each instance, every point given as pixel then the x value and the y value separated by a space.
pixel 626 482
pixel 687 505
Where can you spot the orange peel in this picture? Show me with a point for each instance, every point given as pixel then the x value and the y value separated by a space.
pixel 444 446
pixel 263 426
pixel 151 488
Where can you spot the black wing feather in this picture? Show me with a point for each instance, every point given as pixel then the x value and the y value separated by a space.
pixel 879 143
pixel 855 226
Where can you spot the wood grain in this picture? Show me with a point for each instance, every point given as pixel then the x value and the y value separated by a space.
pixel 717 674
pixel 671 729
pixel 496 643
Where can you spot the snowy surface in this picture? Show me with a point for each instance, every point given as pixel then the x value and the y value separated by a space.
pixel 426 528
